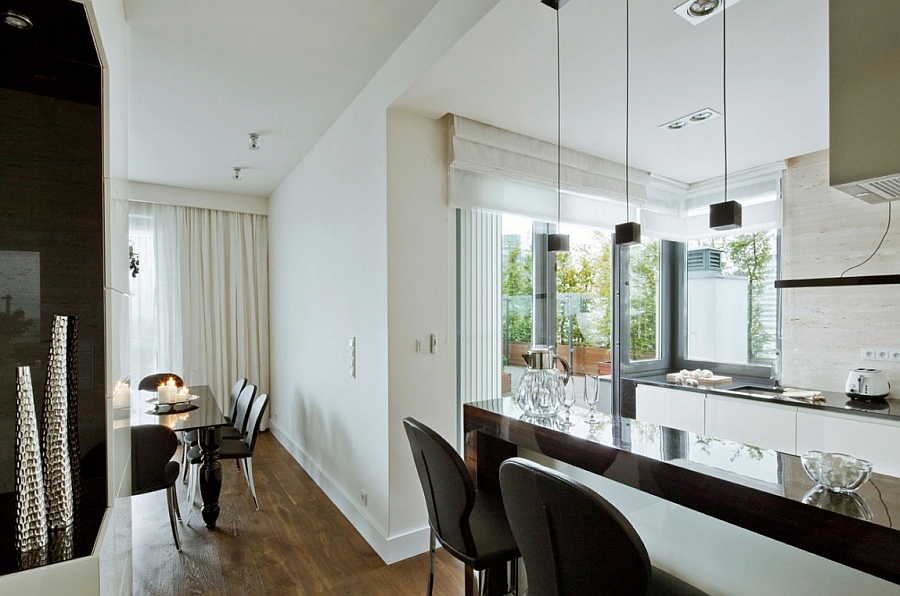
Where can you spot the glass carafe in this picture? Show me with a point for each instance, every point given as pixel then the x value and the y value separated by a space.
pixel 541 391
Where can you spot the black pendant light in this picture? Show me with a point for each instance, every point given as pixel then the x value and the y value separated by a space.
pixel 557 242
pixel 726 215
pixel 627 233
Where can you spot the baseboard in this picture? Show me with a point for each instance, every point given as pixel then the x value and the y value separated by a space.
pixel 390 548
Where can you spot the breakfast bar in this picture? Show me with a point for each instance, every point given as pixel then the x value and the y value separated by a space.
pixel 763 491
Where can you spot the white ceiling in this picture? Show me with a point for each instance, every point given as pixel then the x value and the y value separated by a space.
pixel 203 74
pixel 503 72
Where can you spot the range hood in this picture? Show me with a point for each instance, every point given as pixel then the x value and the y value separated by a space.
pixel 865 98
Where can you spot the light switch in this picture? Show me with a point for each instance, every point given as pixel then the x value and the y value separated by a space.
pixel 433 343
pixel 353 357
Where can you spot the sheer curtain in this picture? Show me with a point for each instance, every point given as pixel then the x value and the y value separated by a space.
pixel 200 304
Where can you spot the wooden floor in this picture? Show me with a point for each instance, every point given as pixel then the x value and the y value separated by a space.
pixel 298 543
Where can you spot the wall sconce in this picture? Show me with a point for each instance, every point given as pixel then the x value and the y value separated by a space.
pixel 134 261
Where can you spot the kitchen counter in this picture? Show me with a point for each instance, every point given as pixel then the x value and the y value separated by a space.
pixel 762 491
pixel 834 401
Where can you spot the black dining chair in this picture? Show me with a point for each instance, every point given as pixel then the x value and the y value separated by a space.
pixel 152 468
pixel 242 398
pixel 575 542
pixel 239 450
pixel 235 393
pixel 240 414
pixel 152 382
pixel 469 523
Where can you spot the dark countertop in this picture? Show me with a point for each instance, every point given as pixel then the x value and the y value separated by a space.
pixel 762 491
pixel 888 409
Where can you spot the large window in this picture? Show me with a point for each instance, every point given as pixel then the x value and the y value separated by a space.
pixel 731 299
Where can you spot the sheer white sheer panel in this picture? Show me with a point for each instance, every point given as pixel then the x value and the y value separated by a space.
pixel 480 364
pixel 201 296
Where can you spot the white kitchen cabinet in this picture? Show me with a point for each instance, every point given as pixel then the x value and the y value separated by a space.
pixel 675 408
pixel 764 425
pixel 871 438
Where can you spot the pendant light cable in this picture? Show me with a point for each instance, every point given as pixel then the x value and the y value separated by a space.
pixel 558 131
pixel 627 104
pixel 725 97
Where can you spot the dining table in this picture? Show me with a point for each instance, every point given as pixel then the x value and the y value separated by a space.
pixel 200 412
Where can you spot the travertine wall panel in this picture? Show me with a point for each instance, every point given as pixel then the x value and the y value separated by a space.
pixel 825 232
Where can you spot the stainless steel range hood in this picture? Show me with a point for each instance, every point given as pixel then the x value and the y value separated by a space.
pixel 865 98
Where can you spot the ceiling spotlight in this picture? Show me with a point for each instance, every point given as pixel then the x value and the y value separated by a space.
pixel 236 175
pixel 17 20
pixel 701 8
pixel 697 117
pixel 254 141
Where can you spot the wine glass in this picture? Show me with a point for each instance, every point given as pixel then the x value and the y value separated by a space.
pixel 592 396
pixel 567 401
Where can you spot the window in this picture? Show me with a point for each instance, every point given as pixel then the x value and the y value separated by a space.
pixel 731 299
pixel 644 305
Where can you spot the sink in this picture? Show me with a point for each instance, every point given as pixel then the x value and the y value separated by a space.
pixel 758 390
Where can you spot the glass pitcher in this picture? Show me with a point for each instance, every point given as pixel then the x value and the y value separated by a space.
pixel 541 390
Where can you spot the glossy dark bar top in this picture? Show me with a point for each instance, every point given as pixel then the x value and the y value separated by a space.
pixel 763 491
pixel 834 401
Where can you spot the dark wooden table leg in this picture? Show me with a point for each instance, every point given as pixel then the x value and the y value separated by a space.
pixel 210 474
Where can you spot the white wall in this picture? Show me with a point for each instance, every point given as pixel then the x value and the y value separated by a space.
pixel 421 301
pixel 329 281
pixel 825 232
pixel 201 199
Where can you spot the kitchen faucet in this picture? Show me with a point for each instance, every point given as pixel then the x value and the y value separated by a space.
pixel 775 374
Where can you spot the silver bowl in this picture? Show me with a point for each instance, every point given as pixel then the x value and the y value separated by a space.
pixel 837 472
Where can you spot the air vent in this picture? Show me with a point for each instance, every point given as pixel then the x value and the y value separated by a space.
pixel 704 259
pixel 887 188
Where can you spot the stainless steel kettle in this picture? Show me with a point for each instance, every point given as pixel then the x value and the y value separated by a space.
pixel 541 391
pixel 867 383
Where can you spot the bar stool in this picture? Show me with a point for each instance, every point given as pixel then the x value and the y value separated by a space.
pixel 573 541
pixel 470 524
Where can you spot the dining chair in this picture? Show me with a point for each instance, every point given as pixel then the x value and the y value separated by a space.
pixel 242 401
pixel 152 468
pixel 469 523
pixel 240 415
pixel 575 542
pixel 240 450
pixel 235 393
pixel 152 382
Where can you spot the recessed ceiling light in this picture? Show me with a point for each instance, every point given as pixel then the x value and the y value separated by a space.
pixel 697 11
pixel 17 20
pixel 701 8
pixel 691 119
pixel 236 175
pixel 254 141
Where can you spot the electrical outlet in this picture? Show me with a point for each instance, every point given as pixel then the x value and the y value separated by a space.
pixel 882 353
pixel 364 498
pixel 867 353
pixel 895 355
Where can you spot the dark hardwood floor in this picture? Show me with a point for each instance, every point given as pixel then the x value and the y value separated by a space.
pixel 297 543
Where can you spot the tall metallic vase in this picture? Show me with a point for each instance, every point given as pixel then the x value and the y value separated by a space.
pixel 31 513
pixel 54 430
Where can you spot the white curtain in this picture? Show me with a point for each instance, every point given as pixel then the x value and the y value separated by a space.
pixel 200 305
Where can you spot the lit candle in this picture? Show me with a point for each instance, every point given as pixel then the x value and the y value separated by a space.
pixel 162 394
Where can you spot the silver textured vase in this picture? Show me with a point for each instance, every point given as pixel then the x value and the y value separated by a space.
pixel 54 431
pixel 31 513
